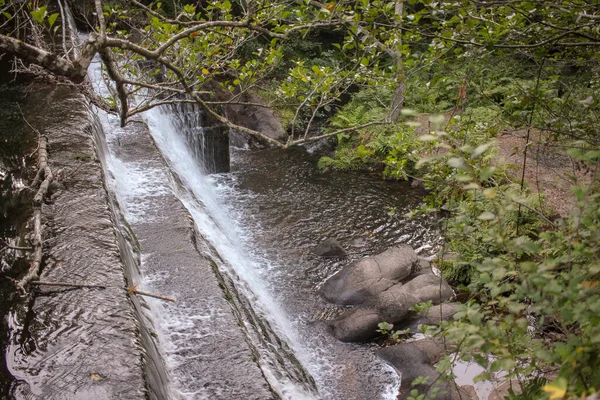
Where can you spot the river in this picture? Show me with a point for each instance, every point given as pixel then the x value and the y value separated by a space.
pixel 233 249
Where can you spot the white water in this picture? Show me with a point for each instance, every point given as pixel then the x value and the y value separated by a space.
pixel 220 226
pixel 214 223
pixel 134 185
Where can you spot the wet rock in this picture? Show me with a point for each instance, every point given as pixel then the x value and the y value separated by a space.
pixel 434 315
pixel 414 360
pixel 259 118
pixel 330 248
pixel 423 268
pixel 362 279
pixel 441 312
pixel 427 287
pixel 358 325
pixel 392 305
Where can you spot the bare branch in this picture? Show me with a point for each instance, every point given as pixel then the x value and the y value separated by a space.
pixel 101 21
pixel 113 73
pixel 34 55
pixel 352 128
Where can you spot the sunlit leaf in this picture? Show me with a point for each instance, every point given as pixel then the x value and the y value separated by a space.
pixel 52 19
pixel 487 216
pixel 557 389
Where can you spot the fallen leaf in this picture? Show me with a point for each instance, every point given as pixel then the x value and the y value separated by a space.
pixel 95 377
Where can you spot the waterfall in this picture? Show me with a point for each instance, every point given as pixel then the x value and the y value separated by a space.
pixel 221 318
pixel 246 273
pixel 209 145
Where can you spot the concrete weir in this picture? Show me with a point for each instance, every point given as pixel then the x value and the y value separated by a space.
pixel 76 343
pixel 214 359
pixel 92 343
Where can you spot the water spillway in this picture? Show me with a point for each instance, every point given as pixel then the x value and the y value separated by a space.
pixel 214 342
pixel 232 248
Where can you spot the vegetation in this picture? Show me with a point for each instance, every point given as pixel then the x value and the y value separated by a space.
pixel 468 70
pixel 530 275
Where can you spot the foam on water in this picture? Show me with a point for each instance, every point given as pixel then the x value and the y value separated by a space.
pixel 212 219
pixel 221 223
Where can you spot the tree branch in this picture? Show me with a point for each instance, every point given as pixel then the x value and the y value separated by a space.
pixel 113 73
pixel 353 128
pixel 29 54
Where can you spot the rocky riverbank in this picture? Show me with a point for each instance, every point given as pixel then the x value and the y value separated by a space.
pixel 384 288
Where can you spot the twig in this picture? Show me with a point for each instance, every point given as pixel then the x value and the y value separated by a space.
pixel 156 296
pixel 67 284
pixel 94 286
pixel 33 129
pixel 44 171
pixel 9 247
pixel 527 143
pixel 535 211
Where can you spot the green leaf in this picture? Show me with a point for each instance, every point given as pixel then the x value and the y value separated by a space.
pixel 504 364
pixel 39 14
pixel 486 173
pixel 52 19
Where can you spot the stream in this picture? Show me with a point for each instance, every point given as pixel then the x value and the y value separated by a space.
pixel 234 251
pixel 256 226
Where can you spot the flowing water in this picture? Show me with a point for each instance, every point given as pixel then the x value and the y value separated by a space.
pixel 16 144
pixel 255 226
pixel 233 249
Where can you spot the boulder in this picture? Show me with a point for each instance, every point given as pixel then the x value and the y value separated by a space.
pixel 357 325
pixel 393 306
pixel 433 315
pixel 423 268
pixel 415 359
pixel 329 248
pixel 365 278
pixel 427 287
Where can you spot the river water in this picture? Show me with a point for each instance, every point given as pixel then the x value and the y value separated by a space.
pixel 233 249
pixel 262 219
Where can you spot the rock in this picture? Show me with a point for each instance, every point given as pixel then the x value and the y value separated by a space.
pixel 423 268
pixel 357 325
pixel 433 315
pixel 469 391
pixel 392 305
pixel 427 287
pixel 441 312
pixel 415 359
pixel 362 279
pixel 433 349
pixel 329 248
pixel 501 391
